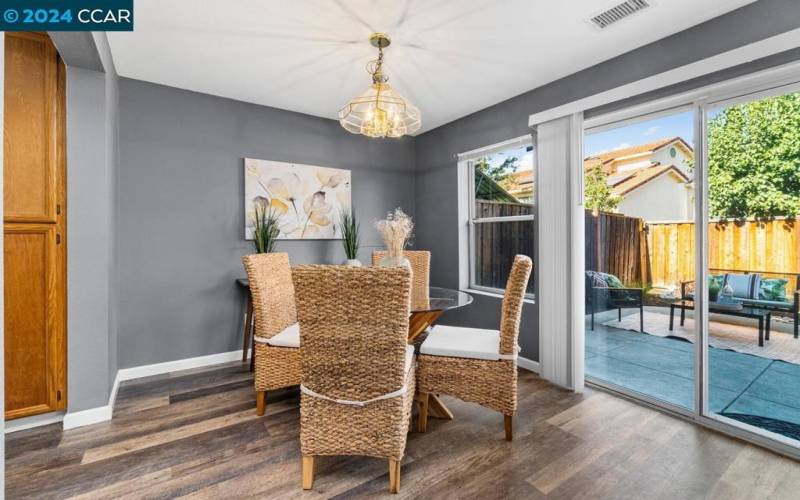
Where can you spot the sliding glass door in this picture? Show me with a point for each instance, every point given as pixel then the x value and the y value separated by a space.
pixel 692 266
pixel 639 202
pixel 753 179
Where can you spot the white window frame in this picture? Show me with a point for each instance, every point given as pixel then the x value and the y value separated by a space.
pixel 466 166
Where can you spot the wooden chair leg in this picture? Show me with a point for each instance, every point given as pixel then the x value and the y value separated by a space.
pixel 509 427
pixel 422 425
pixel 261 402
pixel 308 472
pixel 394 476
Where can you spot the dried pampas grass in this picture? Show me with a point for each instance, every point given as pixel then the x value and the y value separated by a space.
pixel 396 230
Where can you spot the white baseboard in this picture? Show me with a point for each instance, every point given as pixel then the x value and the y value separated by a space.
pixel 527 364
pixel 21 424
pixel 178 364
pixel 88 417
pixel 103 413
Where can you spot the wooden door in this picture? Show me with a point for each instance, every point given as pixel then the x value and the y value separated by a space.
pixel 34 226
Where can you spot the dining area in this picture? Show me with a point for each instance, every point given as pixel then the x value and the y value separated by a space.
pixel 372 354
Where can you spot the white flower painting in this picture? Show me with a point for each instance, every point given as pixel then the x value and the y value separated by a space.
pixel 307 200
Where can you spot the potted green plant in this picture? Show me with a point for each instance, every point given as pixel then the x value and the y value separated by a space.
pixel 265 229
pixel 348 226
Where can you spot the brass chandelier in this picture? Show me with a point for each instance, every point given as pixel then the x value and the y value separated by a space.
pixel 380 111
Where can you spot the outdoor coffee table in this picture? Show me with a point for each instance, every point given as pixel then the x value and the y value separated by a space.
pixel 763 316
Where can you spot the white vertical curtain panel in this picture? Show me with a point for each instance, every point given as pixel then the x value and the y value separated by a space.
pixel 559 163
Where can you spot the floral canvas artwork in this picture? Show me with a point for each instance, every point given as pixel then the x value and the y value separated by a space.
pixel 308 200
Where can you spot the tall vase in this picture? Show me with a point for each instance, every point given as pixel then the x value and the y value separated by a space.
pixel 394 261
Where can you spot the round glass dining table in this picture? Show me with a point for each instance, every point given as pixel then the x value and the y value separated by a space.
pixel 426 311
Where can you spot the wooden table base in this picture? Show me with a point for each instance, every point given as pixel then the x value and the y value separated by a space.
pixel 419 322
pixel 437 408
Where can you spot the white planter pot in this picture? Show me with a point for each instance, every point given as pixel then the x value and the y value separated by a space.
pixel 353 262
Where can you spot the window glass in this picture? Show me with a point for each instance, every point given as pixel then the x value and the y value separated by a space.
pixel 502 214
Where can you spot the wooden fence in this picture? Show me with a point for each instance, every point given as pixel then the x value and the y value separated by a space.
pixel 496 243
pixel 615 244
pixel 660 254
pixel 768 247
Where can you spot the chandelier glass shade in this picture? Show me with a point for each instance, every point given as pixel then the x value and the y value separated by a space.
pixel 380 111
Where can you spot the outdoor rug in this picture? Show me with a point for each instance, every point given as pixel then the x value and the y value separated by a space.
pixel 739 338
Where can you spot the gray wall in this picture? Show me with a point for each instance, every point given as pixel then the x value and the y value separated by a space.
pixel 88 240
pixel 181 219
pixel 436 179
pixel 112 162
pixel 92 116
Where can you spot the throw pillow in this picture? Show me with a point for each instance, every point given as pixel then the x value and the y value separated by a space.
pixel 773 289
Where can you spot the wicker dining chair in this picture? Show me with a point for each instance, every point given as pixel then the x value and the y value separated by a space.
pixel 473 364
pixel 358 371
pixel 277 335
pixel 420 274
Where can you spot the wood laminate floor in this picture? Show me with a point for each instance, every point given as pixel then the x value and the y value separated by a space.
pixel 195 434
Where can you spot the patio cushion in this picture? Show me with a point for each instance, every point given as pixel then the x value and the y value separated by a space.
pixel 461 342
pixel 289 337
pixel 604 280
pixel 783 304
pixel 773 289
pixel 718 279
pixel 745 286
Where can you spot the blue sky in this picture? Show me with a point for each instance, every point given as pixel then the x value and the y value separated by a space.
pixel 641 133
pixel 680 125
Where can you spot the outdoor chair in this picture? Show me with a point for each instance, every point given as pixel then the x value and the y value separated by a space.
pixel 756 291
pixel 605 292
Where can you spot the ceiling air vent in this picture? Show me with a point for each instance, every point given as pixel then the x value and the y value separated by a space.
pixel 619 12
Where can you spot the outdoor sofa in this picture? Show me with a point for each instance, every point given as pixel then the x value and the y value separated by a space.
pixel 756 291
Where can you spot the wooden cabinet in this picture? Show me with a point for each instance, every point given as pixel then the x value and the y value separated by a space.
pixel 34 226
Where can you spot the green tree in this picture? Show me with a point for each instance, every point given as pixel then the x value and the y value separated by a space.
pixel 597 195
pixel 500 173
pixel 754 159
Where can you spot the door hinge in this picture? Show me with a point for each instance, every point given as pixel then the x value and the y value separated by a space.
pixel 58 395
pixel 58 239
pixel 58 209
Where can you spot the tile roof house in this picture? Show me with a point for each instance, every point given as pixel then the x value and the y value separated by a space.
pixel 653 179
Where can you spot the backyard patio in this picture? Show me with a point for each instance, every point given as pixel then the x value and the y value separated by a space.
pixel 752 384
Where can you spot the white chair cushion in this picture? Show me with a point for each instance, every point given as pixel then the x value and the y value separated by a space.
pixel 409 357
pixel 289 337
pixel 460 342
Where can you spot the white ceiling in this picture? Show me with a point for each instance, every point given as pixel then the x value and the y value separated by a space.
pixel 449 57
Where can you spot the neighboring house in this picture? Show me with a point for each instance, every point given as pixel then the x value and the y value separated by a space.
pixel 520 185
pixel 654 179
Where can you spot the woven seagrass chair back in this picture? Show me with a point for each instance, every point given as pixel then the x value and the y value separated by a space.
pixel 512 303
pixel 353 329
pixel 420 274
pixel 272 291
